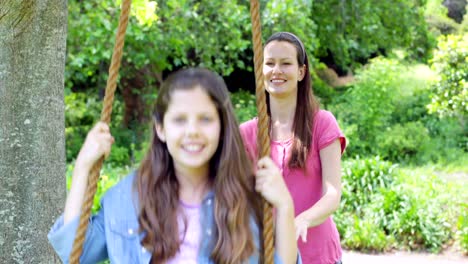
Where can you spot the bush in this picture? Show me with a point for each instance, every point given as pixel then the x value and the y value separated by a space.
pixel 394 205
pixel 403 142
pixel 416 222
pixel 462 228
pixel 82 112
pixel 244 105
pixel 442 25
pixel 361 179
pixel 365 235
pixel 448 140
pixel 108 178
pixel 369 104
pixel 450 92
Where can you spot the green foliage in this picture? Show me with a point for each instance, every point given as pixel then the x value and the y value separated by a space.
pixel 442 25
pixel 354 30
pixel 450 93
pixel 403 215
pixel 403 141
pixel 244 105
pixel 362 178
pixel 81 113
pixel 288 15
pixel 367 107
pixel 364 235
pixel 462 228
pixel 383 208
pixel 206 33
pixel 448 140
pixel 108 178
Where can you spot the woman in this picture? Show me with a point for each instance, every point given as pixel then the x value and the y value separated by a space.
pixel 306 144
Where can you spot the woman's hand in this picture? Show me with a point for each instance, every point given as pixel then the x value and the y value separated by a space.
pixel 97 144
pixel 301 225
pixel 270 183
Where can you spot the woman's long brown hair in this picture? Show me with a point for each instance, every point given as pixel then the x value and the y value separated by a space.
pixel 236 201
pixel 306 105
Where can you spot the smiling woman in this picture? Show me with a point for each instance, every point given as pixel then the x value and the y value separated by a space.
pixel 306 144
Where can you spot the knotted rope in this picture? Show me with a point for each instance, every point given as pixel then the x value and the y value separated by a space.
pixel 105 117
pixel 263 139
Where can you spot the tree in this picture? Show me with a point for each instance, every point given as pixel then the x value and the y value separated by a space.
pixel 32 141
pixel 450 92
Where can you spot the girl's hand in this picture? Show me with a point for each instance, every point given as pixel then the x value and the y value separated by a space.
pixel 301 225
pixel 97 144
pixel 270 183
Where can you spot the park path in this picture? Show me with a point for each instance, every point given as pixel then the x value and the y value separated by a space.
pixel 350 257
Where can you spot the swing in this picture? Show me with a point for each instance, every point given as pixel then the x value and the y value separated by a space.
pixel 263 140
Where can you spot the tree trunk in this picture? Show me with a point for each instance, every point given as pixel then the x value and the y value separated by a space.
pixel 32 140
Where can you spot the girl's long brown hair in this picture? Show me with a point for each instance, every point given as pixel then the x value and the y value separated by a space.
pixel 236 201
pixel 306 106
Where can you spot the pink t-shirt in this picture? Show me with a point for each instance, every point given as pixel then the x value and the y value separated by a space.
pixel 188 251
pixel 323 241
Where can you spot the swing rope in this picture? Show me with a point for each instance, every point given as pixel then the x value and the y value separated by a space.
pixel 262 139
pixel 105 117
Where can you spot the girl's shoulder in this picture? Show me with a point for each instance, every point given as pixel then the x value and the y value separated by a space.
pixel 122 194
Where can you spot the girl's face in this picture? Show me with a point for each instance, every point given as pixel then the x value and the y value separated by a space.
pixel 191 129
pixel 280 68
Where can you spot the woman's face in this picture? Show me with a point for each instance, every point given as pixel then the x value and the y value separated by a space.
pixel 281 69
pixel 191 129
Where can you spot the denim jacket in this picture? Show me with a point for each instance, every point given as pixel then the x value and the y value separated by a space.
pixel 113 232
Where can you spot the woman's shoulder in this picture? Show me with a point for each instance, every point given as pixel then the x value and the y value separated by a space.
pixel 250 124
pixel 248 129
pixel 324 118
pixel 324 114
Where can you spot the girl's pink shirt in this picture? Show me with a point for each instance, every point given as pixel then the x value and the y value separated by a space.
pixel 323 241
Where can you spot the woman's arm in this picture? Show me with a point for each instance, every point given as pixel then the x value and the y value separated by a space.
pixel 330 158
pixel 270 183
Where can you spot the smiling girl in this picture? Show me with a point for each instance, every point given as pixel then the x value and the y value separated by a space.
pixel 193 198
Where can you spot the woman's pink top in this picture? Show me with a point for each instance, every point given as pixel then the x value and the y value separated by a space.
pixel 323 241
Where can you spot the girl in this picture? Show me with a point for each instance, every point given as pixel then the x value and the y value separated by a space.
pixel 192 199
pixel 306 144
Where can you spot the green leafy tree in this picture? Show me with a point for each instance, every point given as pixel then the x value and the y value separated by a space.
pixel 352 31
pixel 450 92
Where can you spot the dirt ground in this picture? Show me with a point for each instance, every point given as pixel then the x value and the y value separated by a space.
pixel 350 257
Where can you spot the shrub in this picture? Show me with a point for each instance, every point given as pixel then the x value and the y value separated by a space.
pixel 403 142
pixel 369 104
pixel 108 178
pixel 82 111
pixel 361 179
pixel 442 25
pixel 365 235
pixel 462 228
pixel 244 105
pixel 450 92
pixel 448 140
pixel 405 209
